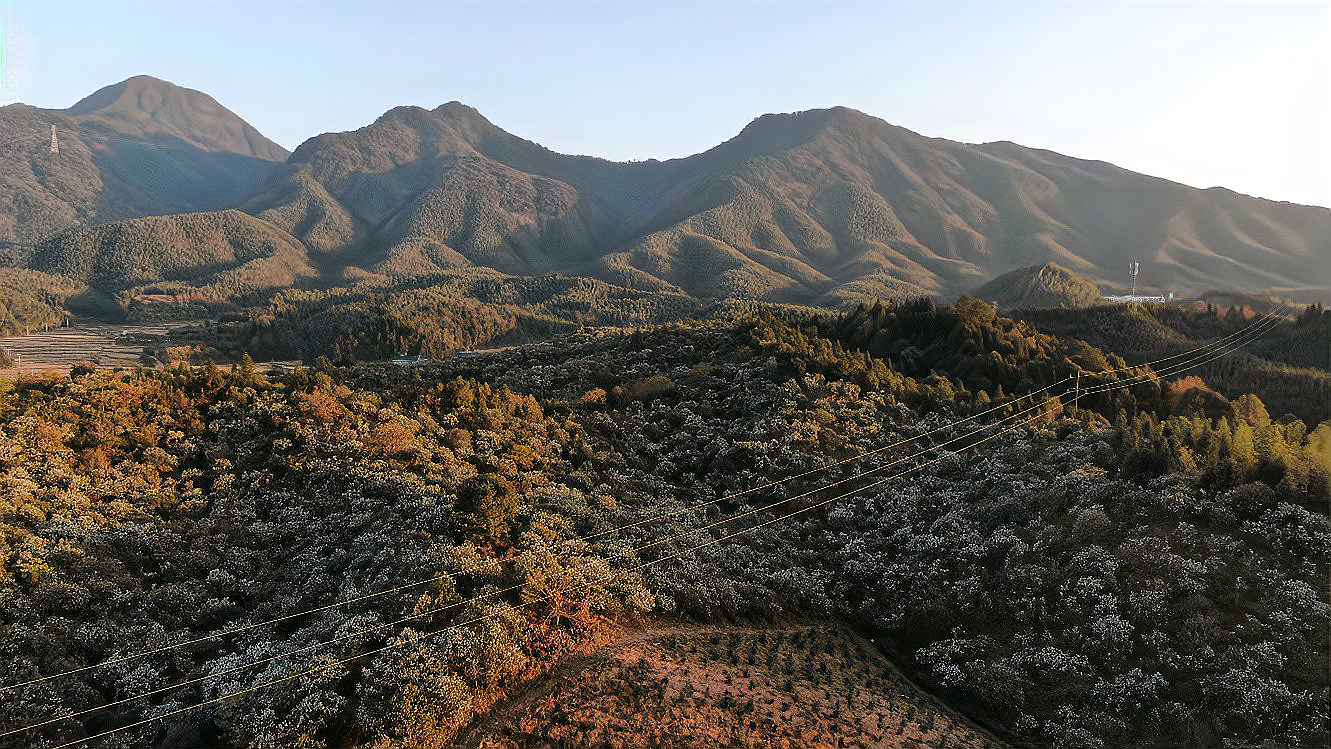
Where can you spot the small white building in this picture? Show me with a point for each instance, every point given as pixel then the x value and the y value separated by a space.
pixel 1127 298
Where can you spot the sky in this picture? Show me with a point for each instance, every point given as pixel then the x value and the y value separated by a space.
pixel 1235 94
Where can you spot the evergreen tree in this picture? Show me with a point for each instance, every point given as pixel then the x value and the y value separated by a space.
pixel 1242 453
pixel 1250 408
pixel 492 503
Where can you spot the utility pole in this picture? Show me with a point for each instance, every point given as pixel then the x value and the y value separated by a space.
pixel 1077 396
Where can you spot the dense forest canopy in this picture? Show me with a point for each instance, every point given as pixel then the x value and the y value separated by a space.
pixel 1145 565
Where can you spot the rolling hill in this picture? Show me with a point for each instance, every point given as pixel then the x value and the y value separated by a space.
pixel 1040 286
pixel 227 253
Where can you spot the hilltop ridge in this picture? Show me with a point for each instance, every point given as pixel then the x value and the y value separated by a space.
pixel 156 106
pixel 824 206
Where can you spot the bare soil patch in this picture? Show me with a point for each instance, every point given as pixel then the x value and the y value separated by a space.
pixel 692 686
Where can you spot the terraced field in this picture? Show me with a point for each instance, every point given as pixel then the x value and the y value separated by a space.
pixel 86 342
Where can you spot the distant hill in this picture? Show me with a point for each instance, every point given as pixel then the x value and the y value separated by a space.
pixel 824 206
pixel 30 299
pixel 137 148
pixel 1040 286
pixel 420 191
pixel 1289 362
pixel 229 252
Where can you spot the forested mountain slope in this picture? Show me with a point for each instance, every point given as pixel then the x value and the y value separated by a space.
pixel 824 205
pixel 1288 363
pixel 140 147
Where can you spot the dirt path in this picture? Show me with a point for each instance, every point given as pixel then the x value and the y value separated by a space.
pixel 524 697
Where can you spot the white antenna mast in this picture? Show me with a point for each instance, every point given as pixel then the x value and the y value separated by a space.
pixel 1133 268
pixel 55 142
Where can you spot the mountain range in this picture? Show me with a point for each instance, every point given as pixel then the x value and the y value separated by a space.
pixel 824 207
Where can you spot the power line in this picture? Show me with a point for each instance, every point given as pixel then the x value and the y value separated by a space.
pixel 1039 406
pixel 550 596
pixel 660 516
pixel 458 604
pixel 483 617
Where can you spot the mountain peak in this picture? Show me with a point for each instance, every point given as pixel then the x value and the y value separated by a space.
pixel 458 109
pixel 404 113
pixel 140 147
pixel 773 133
pixel 135 95
pixel 152 106
pixel 454 113
pixel 468 120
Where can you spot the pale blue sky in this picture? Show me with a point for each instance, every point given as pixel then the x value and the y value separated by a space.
pixel 1207 93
